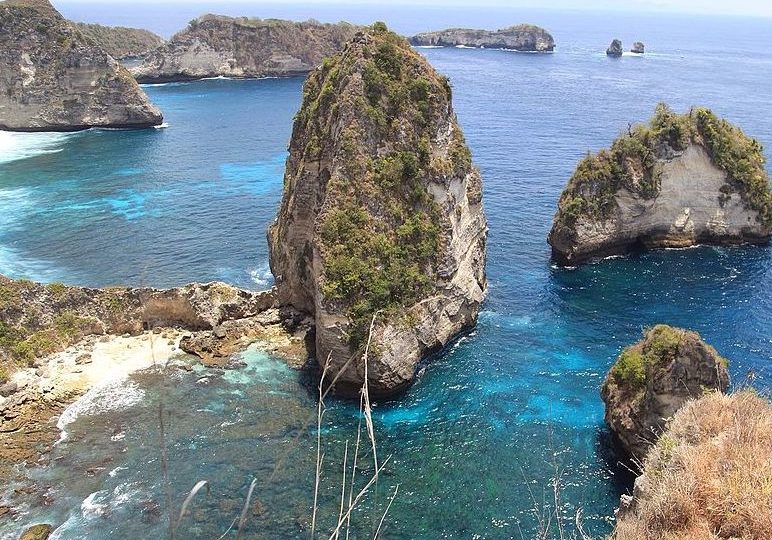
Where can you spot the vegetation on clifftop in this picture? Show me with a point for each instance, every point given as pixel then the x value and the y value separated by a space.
pixel 633 163
pixel 380 229
pixel 120 42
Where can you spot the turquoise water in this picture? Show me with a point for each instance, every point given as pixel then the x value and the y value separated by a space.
pixel 477 441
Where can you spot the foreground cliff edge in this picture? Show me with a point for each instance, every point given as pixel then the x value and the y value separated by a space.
pixel 681 180
pixel 56 79
pixel 242 47
pixel 381 218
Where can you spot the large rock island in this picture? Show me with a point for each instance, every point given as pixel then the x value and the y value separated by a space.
pixel 241 47
pixel 679 181
pixel 52 78
pixel 382 215
pixel 522 37
pixel 121 42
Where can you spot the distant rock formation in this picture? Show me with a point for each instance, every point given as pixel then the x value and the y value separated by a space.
pixel 708 476
pixel 638 48
pixel 382 215
pixel 55 79
pixel 523 37
pixel 652 379
pixel 120 42
pixel 615 49
pixel 679 181
pixel 215 45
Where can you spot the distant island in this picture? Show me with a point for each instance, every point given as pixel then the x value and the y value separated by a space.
pixel 681 180
pixel 120 42
pixel 242 47
pixel 523 37
pixel 56 79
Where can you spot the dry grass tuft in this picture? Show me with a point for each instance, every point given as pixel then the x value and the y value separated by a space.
pixel 709 476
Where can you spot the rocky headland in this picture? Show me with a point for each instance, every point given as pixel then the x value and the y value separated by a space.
pixel 56 79
pixel 381 218
pixel 242 47
pixel 121 42
pixel 653 378
pixel 615 49
pixel 57 341
pixel 522 37
pixel 679 181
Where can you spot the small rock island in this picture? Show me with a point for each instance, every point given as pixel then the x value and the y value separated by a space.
pixel 615 49
pixel 638 48
pixel 679 181
pixel 242 47
pixel 522 37
pixel 120 42
pixel 56 79
pixel 381 222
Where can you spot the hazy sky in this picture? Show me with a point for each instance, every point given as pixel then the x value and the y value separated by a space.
pixel 736 7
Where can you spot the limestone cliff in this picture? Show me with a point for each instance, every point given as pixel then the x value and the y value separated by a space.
pixel 679 181
pixel 382 214
pixel 121 42
pixel 52 78
pixel 652 379
pixel 523 37
pixel 215 45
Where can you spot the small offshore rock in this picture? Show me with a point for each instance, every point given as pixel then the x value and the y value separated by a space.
pixel 615 49
pixel 638 48
pixel 37 532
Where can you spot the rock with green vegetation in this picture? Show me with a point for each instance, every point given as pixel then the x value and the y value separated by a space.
pixel 522 37
pixel 121 42
pixel 242 47
pixel 679 181
pixel 382 215
pixel 56 79
pixel 653 378
pixel 37 532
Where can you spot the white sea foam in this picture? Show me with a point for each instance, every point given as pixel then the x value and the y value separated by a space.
pixel 113 395
pixel 90 508
pixel 15 146
pixel 162 126
pixel 261 276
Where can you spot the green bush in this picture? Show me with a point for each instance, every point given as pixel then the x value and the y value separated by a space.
pixel 630 367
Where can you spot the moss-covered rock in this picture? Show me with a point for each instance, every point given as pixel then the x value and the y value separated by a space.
pixel 381 213
pixel 677 181
pixel 653 378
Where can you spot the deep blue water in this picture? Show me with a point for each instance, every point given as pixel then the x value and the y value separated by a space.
pixel 477 441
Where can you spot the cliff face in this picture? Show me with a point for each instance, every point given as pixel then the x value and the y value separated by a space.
pixel 215 45
pixel 652 379
pixel 381 215
pixel 120 42
pixel 708 476
pixel 523 37
pixel 55 79
pixel 680 181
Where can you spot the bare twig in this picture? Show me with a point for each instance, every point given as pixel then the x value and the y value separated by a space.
pixel 383 517
pixel 245 510
pixel 319 455
pixel 198 487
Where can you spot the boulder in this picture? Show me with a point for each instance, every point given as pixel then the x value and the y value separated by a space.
pixel 381 220
pixel 615 49
pixel 56 79
pixel 679 181
pixel 523 37
pixel 653 378
pixel 37 532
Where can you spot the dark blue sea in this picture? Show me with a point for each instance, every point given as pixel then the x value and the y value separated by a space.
pixel 491 425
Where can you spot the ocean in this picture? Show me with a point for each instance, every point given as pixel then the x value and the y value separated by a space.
pixel 491 425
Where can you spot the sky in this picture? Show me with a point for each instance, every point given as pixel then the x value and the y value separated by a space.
pixel 762 8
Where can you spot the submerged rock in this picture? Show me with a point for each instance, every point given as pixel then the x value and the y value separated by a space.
pixel 615 49
pixel 523 37
pixel 381 216
pixel 55 79
pixel 679 181
pixel 121 42
pixel 638 48
pixel 653 378
pixel 219 46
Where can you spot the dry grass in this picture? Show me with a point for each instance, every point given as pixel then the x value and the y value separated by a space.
pixel 709 476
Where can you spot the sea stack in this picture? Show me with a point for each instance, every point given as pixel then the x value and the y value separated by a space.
pixel 55 79
pixel 653 378
pixel 242 47
pixel 638 48
pixel 522 37
pixel 615 49
pixel 679 181
pixel 381 221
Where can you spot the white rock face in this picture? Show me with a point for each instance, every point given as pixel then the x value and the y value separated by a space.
pixel 696 204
